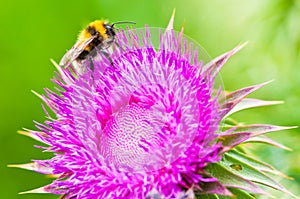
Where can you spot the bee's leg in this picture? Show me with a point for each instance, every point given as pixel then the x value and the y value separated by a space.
pixel 91 63
pixel 107 55
pixel 91 66
pixel 103 52
pixel 118 45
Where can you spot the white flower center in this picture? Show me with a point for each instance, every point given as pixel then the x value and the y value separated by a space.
pixel 129 136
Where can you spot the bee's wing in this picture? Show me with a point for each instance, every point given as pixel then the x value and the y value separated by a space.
pixel 75 51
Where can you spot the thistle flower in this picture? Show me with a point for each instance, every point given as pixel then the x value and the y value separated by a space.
pixel 150 126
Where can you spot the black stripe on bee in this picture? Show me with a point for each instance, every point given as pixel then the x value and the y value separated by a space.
pixel 83 55
pixel 92 30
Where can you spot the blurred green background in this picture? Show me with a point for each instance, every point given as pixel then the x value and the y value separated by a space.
pixel 34 31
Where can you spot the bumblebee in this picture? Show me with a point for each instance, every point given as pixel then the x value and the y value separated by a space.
pixel 99 35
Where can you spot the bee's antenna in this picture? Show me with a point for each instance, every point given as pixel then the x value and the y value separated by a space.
pixel 120 22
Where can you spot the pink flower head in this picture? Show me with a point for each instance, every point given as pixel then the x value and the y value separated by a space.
pixel 144 124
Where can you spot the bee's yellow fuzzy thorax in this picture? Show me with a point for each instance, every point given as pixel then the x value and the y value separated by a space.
pixel 98 25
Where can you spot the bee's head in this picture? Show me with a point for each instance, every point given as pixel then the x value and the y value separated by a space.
pixel 109 29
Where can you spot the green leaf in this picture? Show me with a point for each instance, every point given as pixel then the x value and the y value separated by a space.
pixel 239 194
pixel 231 140
pixel 258 129
pixel 250 173
pixel 213 67
pixel 207 196
pixel 266 140
pixel 232 99
pixel 228 178
pixel 214 188
pixel 248 103
pixel 259 165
